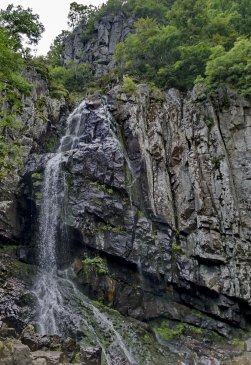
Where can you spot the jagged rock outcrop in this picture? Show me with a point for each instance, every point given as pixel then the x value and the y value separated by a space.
pixel 97 49
pixel 42 350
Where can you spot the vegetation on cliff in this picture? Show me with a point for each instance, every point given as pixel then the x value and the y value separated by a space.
pixel 176 43
pixel 198 41
pixel 15 23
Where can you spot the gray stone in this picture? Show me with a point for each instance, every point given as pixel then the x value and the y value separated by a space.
pixel 91 355
pixel 51 357
pixel 248 345
pixel 13 352
pixel 99 51
pixel 39 361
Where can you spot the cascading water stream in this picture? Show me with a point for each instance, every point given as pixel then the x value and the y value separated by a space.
pixel 46 288
pixel 51 289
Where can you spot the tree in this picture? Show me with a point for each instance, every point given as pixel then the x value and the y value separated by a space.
pixel 19 23
pixel 190 17
pixel 12 86
pixel 80 14
pixel 15 23
pixel 230 68
pixel 73 77
pixel 148 8
pixel 55 52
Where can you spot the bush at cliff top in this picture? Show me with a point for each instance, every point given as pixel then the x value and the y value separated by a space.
pixel 231 68
pixel 199 40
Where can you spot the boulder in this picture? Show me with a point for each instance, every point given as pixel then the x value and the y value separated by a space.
pixel 91 355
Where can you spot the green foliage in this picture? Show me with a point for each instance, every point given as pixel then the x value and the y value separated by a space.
pixel 55 52
pixel 96 264
pixel 128 86
pixel 15 23
pixel 148 8
pixel 176 248
pixel 72 77
pixel 175 42
pixel 111 7
pixel 197 40
pixel 10 156
pixel 19 22
pixel 12 87
pixel 168 332
pixel 51 143
pixel 40 64
pixel 110 228
pixel 104 188
pixel 77 357
pixel 80 14
pixel 231 68
pixel 11 66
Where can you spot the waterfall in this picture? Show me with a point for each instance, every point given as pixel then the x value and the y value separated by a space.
pixel 46 288
pixel 58 298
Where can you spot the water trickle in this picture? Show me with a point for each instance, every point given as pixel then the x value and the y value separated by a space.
pixel 141 274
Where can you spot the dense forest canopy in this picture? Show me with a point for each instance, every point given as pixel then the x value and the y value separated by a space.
pixel 196 41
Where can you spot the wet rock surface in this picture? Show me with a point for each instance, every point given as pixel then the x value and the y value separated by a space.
pixel 156 212
pixel 17 304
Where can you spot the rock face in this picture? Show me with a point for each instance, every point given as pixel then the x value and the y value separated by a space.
pixel 98 50
pixel 156 203
pixel 162 193
pixel 158 199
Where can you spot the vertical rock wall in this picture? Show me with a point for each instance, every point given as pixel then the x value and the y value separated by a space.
pixel 161 188
pixel 97 50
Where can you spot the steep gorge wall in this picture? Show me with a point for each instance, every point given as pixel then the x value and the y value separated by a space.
pixel 161 190
pixel 175 193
